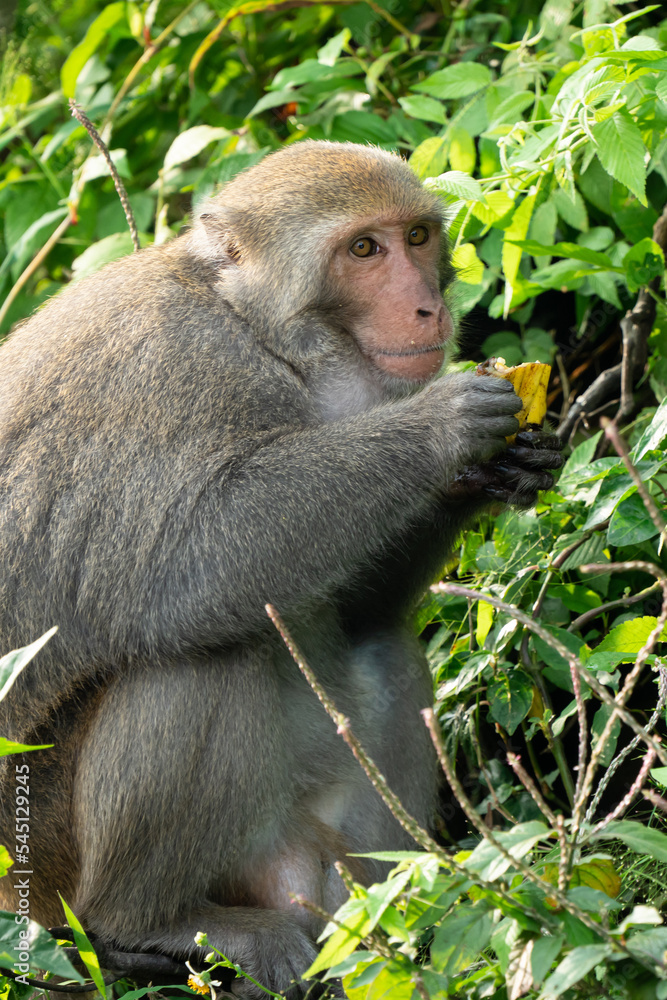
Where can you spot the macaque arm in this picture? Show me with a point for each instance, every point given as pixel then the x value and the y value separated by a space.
pixel 297 521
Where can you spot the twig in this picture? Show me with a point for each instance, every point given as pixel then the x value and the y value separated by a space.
pixel 566 853
pixel 407 822
pixel 630 795
pixel 583 728
pixel 44 984
pixel 345 874
pixel 83 118
pixel 621 602
pixel 539 630
pixel 39 257
pixel 145 57
pixel 378 780
pixel 602 389
pixel 514 762
pixel 619 703
pixel 603 784
pixel 612 433
pixel 485 831
pixel 636 326
pixel 655 799
pixel 565 386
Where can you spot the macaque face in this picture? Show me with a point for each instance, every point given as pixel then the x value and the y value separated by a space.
pixel 388 271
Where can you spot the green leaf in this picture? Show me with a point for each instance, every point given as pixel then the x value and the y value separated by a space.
pixel 496 205
pixel 13 663
pixel 191 142
pixel 45 953
pixel 462 152
pixel 511 109
pixel 460 938
pixel 378 897
pixel 32 238
pixel 650 945
pixel 457 184
pixel 642 263
pixel 311 70
pixel 429 158
pixel 85 949
pixel 574 967
pixel 614 489
pixel 571 251
pixel 491 864
pixel 654 435
pixel 330 52
pixel 98 254
pixel 392 980
pixel 628 637
pixel 621 152
pixel 511 254
pixel 630 523
pixel 112 15
pixel 459 80
pixel 510 698
pixel 543 224
pixel 467 264
pixel 425 108
pixel 6 861
pixel 600 720
pixel 571 210
pixel 604 286
pixel 273 99
pixel 639 838
pixel 9 746
pixel 144 990
pixel 363 126
pixel 640 916
pixel 659 774
pixel 544 953
pixel 485 614
pixel 345 939
pixel 97 166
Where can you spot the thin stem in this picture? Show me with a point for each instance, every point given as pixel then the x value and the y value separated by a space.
pixel 514 762
pixel 407 822
pixel 39 257
pixel 630 795
pixel 603 784
pixel 539 630
pixel 82 117
pixel 612 433
pixel 377 779
pixel 621 602
pixel 485 831
pixel 145 57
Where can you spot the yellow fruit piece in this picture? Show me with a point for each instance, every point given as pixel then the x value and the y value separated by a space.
pixel 530 382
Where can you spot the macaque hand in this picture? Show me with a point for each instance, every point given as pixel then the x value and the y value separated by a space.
pixel 515 476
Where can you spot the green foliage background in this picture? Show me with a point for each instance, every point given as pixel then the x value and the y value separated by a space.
pixel 542 126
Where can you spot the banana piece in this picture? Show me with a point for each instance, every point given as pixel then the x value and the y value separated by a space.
pixel 530 382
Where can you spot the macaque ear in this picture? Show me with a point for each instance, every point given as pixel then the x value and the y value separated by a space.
pixel 213 238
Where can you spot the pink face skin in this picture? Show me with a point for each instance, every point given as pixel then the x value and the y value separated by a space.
pixel 390 269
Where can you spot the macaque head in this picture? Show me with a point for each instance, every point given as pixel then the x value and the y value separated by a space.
pixel 343 231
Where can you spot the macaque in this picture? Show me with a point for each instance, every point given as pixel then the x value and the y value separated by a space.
pixel 250 413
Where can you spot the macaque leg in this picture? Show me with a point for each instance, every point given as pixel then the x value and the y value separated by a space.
pixel 187 817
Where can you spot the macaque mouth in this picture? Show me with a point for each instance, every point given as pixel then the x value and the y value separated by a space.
pixel 414 352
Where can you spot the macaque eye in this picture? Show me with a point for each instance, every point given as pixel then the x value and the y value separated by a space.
pixel 418 235
pixel 364 247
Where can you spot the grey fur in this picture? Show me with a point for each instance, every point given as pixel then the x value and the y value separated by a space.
pixel 184 436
